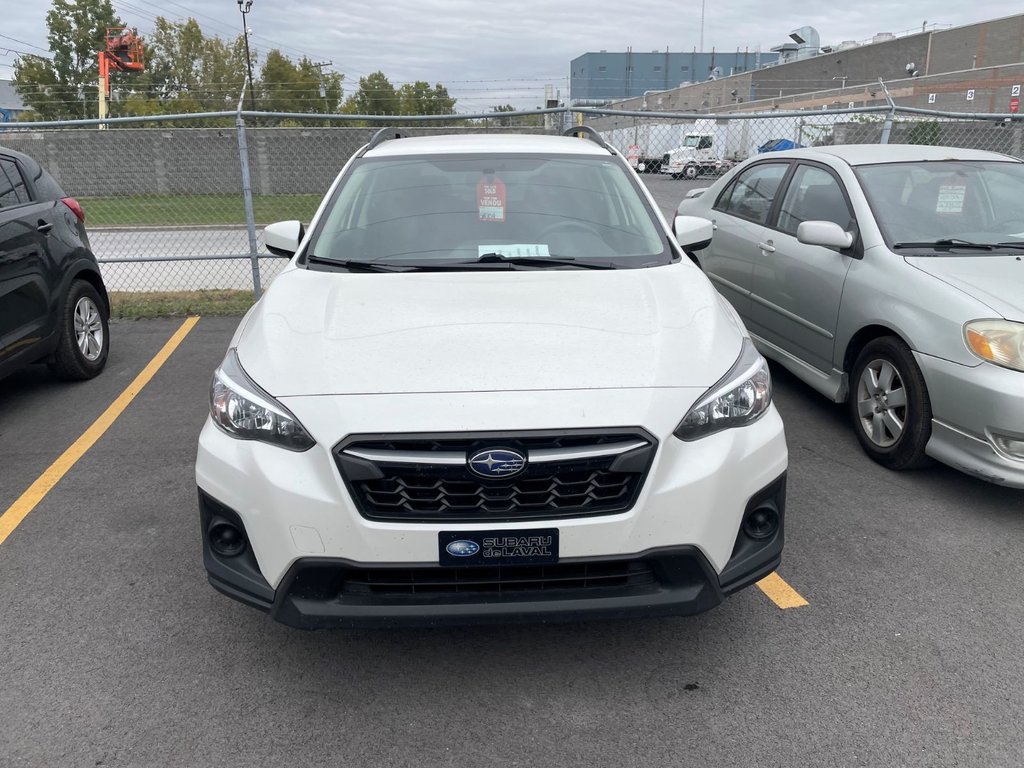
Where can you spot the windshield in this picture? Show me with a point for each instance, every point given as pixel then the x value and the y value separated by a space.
pixel 454 209
pixel 691 141
pixel 924 202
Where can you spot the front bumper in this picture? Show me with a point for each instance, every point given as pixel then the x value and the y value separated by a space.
pixel 319 592
pixel 972 408
pixel 295 506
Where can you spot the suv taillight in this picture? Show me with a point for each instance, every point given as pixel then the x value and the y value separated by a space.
pixel 75 207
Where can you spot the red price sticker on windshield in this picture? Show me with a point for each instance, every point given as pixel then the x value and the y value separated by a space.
pixel 490 199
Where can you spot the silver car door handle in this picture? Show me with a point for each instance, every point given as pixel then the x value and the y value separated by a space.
pixel 767 247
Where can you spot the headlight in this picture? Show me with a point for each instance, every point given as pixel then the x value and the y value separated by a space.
pixel 741 397
pixel 997 341
pixel 243 410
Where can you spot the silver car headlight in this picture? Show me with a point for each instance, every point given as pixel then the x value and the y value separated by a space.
pixel 243 410
pixel 740 398
pixel 997 341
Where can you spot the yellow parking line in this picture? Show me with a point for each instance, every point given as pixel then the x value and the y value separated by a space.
pixel 779 592
pixel 35 493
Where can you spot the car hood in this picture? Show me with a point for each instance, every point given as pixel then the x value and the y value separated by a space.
pixel 323 333
pixel 997 281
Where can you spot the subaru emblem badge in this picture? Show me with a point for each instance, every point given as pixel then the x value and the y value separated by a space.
pixel 462 548
pixel 497 463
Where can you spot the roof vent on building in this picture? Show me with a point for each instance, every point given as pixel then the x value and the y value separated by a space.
pixel 883 37
pixel 847 45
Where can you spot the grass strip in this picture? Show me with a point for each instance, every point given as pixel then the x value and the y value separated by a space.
pixel 137 305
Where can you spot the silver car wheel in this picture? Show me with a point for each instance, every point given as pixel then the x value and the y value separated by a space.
pixel 88 329
pixel 881 403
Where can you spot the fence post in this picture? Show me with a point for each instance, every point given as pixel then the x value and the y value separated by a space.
pixel 887 125
pixel 250 216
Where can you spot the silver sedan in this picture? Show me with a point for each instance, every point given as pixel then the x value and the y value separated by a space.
pixel 890 278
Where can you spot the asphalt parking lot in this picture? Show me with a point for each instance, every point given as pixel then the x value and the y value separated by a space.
pixel 116 652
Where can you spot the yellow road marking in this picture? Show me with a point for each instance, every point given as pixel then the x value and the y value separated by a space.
pixel 779 592
pixel 36 492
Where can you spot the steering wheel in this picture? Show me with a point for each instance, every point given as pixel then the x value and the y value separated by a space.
pixel 568 226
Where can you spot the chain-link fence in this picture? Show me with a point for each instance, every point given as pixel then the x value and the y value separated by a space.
pixel 176 204
pixel 703 146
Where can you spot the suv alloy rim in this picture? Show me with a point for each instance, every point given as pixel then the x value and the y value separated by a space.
pixel 88 328
pixel 881 403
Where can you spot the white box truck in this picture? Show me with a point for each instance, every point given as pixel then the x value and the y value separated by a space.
pixel 709 148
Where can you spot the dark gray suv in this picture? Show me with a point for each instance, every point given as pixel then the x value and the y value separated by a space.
pixel 53 305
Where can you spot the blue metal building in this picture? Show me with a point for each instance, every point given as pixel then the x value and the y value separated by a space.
pixel 617 75
pixel 10 103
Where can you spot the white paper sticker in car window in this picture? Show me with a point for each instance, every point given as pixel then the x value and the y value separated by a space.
pixel 490 199
pixel 517 250
pixel 951 198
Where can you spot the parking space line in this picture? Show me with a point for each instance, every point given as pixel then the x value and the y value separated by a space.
pixel 779 592
pixel 36 492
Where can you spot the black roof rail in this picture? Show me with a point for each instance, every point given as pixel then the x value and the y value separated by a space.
pixel 586 132
pixel 384 134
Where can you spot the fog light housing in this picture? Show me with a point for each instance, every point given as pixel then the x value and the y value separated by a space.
pixel 226 538
pixel 761 523
pixel 1009 445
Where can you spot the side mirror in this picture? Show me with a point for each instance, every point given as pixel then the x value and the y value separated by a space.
pixel 693 233
pixel 283 237
pixel 824 233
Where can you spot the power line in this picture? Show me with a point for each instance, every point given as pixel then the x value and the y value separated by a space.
pixel 24 42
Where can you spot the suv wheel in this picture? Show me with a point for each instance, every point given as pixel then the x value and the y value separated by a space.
pixel 889 404
pixel 84 334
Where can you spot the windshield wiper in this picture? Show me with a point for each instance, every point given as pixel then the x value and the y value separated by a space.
pixel 540 261
pixel 949 242
pixel 356 266
pixel 376 266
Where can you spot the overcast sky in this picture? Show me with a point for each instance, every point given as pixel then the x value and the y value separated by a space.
pixel 490 53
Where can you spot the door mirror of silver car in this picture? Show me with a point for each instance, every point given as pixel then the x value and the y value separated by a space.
pixel 824 233
pixel 693 233
pixel 283 237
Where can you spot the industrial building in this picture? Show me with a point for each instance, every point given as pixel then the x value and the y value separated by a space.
pixel 10 103
pixel 976 67
pixel 608 75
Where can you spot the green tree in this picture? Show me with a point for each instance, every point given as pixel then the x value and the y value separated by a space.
pixel 374 96
pixel 526 120
pixel 420 99
pixel 187 71
pixel 288 87
pixel 925 132
pixel 66 87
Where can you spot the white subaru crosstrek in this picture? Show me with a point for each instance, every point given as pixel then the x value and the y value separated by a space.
pixel 489 386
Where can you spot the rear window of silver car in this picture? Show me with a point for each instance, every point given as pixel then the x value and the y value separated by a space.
pixel 458 207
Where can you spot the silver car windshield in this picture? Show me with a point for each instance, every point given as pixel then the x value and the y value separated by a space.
pixel 457 209
pixel 947 202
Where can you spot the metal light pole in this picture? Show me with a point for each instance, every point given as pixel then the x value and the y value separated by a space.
pixel 244 6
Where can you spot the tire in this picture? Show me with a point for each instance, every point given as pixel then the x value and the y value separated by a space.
pixel 691 172
pixel 889 405
pixel 84 335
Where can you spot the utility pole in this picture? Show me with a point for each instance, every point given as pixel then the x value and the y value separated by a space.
pixel 323 91
pixel 244 6
pixel 702 2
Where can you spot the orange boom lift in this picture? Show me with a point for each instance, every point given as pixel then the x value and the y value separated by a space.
pixel 123 53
